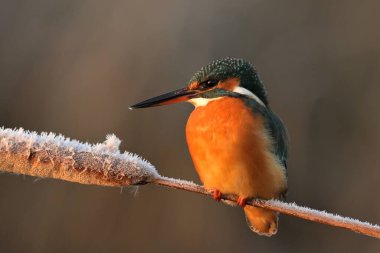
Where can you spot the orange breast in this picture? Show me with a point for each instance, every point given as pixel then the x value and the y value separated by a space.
pixel 231 150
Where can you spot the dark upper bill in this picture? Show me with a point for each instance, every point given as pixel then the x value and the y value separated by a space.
pixel 172 97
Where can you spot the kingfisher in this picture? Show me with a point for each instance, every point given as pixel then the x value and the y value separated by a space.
pixel 237 143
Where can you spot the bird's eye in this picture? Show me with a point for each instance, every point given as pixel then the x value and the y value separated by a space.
pixel 208 84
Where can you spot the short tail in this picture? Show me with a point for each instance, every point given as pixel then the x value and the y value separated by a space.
pixel 261 221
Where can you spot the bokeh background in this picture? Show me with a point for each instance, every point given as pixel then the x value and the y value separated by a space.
pixel 74 67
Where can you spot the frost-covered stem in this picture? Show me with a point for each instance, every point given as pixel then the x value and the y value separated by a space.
pixel 49 156
pixel 292 209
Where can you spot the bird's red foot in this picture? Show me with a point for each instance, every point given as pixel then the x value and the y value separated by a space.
pixel 217 195
pixel 241 201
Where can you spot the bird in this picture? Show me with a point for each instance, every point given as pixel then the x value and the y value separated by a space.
pixel 237 143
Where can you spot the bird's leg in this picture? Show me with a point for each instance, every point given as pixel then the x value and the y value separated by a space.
pixel 241 201
pixel 216 194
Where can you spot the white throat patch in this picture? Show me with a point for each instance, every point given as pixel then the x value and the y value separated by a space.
pixel 248 93
pixel 202 101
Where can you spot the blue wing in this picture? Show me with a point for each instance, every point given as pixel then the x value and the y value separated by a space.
pixel 279 136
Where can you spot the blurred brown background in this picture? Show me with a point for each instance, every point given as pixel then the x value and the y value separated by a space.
pixel 74 67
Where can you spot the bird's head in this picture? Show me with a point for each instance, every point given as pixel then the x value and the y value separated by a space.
pixel 217 79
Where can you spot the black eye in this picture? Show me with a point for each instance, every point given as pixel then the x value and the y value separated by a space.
pixel 208 84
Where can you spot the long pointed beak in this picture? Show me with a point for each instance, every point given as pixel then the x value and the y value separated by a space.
pixel 176 96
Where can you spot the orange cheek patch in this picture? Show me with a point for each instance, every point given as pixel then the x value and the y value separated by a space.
pixel 229 84
pixel 193 86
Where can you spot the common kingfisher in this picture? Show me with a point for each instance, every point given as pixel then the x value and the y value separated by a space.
pixel 237 144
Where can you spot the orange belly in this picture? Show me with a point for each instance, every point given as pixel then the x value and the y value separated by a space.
pixel 231 150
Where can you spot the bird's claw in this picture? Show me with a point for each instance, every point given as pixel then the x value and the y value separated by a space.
pixel 241 201
pixel 217 195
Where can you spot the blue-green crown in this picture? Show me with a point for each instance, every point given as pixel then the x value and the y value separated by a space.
pixel 233 67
